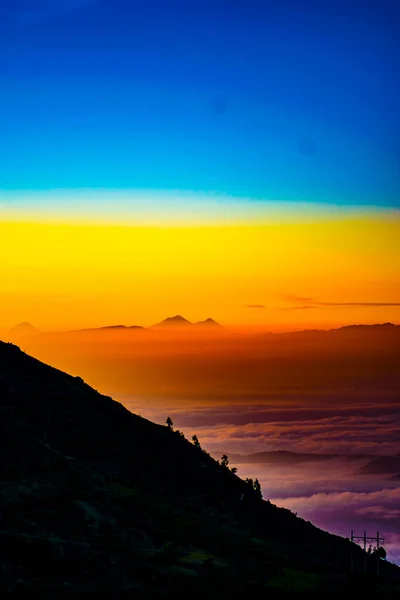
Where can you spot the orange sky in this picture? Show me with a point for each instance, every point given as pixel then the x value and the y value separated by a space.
pixel 59 272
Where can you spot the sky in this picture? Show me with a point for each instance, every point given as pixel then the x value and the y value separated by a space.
pixel 268 133
pixel 291 100
pixel 279 275
pixel 233 159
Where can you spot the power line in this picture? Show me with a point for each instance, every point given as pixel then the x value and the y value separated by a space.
pixel 364 539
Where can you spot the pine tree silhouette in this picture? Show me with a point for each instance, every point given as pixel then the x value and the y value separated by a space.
pixel 224 460
pixel 196 442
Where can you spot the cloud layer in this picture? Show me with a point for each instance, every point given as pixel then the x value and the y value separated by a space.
pixel 337 494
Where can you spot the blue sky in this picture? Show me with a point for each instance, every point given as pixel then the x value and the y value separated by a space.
pixel 291 100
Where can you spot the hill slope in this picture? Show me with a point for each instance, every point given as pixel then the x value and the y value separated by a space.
pixel 97 500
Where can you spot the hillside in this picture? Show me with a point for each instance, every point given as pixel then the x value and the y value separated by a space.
pixel 98 502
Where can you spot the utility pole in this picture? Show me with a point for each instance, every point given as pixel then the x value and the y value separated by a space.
pixel 365 552
pixel 364 539
pixel 377 554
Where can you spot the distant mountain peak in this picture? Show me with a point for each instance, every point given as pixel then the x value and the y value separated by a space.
pixel 107 328
pixel 387 325
pixel 179 321
pixel 23 325
pixel 209 323
pixel 175 320
pixel 24 328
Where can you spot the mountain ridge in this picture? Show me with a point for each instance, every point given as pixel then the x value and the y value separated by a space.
pixel 175 321
pixel 22 329
pixel 111 503
pixel 178 321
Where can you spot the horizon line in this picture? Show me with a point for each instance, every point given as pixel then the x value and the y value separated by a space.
pixel 175 208
pixel 181 328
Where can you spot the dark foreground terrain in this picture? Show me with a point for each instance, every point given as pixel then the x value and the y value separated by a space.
pixel 98 502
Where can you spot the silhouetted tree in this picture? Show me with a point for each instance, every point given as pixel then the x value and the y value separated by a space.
pixel 380 552
pixel 234 470
pixel 224 460
pixel 257 489
pixel 196 442
pixel 169 423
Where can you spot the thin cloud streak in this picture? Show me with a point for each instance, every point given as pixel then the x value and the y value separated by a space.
pixel 309 303
pixel 357 303
pixel 254 306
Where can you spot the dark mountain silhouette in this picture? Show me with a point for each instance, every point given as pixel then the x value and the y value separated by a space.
pixel 22 329
pixel 364 338
pixel 179 321
pixel 109 327
pixel 25 329
pixel 383 331
pixel 376 326
pixel 383 328
pixel 176 321
pixel 96 502
pixel 208 323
